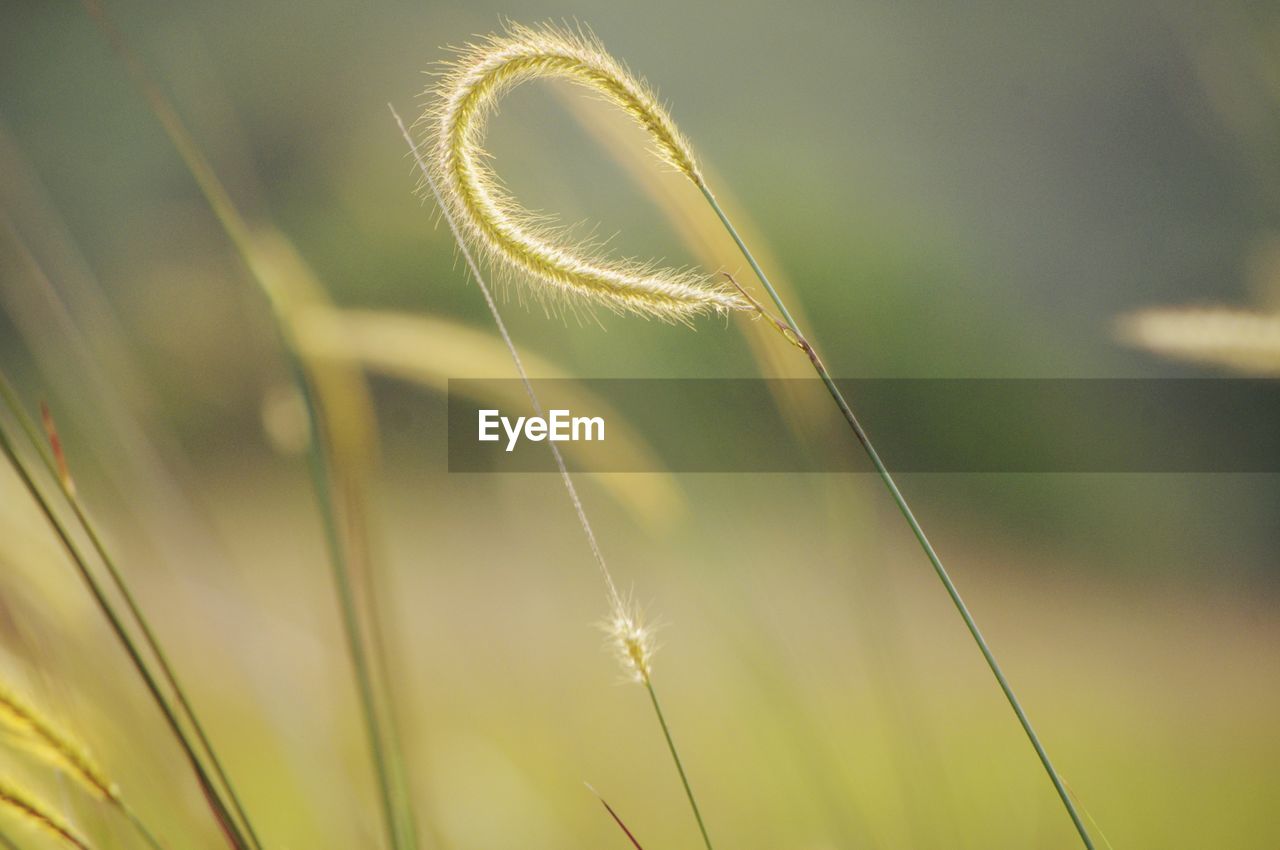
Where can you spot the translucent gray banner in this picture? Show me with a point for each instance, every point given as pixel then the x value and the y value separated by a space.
pixel 918 425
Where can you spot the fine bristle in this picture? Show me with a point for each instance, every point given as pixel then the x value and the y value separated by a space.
pixel 515 239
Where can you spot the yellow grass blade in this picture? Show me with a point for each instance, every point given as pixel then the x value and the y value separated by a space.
pixel 36 813
pixel 1235 339
pixel 428 350
pixel 53 743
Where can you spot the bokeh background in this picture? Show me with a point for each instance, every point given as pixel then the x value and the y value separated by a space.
pixel 948 191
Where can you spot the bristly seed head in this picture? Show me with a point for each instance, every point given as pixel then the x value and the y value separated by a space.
pixel 631 639
pixel 511 236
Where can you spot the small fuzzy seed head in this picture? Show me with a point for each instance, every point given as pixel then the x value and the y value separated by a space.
pixel 631 639
pixel 513 238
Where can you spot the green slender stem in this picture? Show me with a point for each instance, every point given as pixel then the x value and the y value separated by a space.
pixel 135 611
pixel 383 742
pixel 221 813
pixel 675 756
pixel 318 464
pixel 147 835
pixel 907 514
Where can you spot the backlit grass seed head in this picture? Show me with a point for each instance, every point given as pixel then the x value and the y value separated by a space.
pixel 511 236
pixel 632 640
pixel 54 744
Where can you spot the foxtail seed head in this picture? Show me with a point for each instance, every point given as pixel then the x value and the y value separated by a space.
pixel 508 233
pixel 632 640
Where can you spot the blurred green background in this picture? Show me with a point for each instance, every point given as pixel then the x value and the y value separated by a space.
pixel 951 192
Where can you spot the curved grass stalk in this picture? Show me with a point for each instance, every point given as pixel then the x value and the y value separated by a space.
pixel 631 639
pixel 705 239
pixel 474 84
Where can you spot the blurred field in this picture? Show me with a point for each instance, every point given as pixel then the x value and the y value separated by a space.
pixel 947 194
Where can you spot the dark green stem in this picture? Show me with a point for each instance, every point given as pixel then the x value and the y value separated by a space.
pixel 223 816
pixel 675 756
pixel 135 611
pixel 147 835
pixel 901 502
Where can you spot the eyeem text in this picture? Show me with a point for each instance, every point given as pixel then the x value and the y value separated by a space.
pixel 558 426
